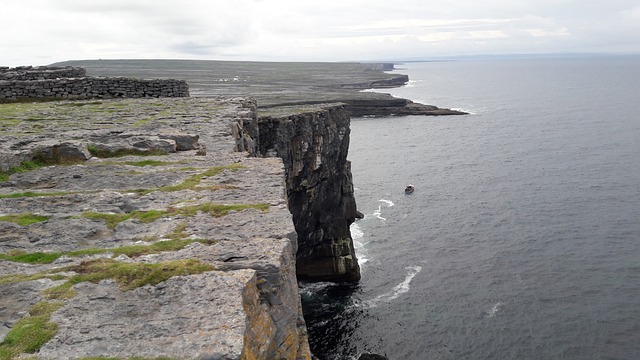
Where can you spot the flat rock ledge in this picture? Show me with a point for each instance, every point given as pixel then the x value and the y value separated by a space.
pixel 145 232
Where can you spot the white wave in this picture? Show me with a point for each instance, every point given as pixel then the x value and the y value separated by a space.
pixel 357 234
pixel 492 312
pixel 356 231
pixel 378 213
pixel 388 202
pixel 309 289
pixel 464 110
pixel 398 290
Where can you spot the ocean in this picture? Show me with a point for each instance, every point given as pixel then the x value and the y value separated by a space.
pixel 522 238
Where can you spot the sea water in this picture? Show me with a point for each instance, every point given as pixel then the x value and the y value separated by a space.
pixel 522 238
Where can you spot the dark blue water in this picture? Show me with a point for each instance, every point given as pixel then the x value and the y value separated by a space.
pixel 522 238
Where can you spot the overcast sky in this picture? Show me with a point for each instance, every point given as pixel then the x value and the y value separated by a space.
pixel 39 32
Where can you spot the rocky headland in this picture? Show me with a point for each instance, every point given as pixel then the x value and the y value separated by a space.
pixel 179 227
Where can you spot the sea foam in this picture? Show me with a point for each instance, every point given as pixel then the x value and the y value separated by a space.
pixel 398 290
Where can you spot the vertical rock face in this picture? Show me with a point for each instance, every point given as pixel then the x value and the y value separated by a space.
pixel 314 146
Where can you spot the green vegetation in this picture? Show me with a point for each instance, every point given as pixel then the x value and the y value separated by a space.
pixel 24 219
pixel 35 330
pixel 31 258
pixel 32 194
pixel 25 166
pixel 215 210
pixel 177 242
pixel 128 275
pixel 30 332
pixel 192 182
pixel 103 153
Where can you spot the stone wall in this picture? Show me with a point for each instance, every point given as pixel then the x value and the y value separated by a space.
pixel 72 83
pixel 88 87
pixel 41 72
pixel 314 146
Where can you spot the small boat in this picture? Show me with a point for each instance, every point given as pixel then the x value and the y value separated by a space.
pixel 409 189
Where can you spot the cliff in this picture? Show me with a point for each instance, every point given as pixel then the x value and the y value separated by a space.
pixel 133 228
pixel 314 146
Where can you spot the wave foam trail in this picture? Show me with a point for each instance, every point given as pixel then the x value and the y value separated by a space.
pixel 388 202
pixel 378 213
pixel 492 312
pixel 398 290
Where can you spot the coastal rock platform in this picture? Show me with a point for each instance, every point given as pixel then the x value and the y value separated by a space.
pixel 143 228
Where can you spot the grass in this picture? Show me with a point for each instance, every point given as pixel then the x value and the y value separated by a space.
pixel 30 332
pixel 192 182
pixel 215 210
pixel 31 258
pixel 25 166
pixel 24 219
pixel 29 194
pixel 131 250
pixel 128 275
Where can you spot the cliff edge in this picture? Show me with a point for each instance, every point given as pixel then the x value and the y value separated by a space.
pixel 144 228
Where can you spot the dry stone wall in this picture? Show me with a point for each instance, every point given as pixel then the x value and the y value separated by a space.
pixel 72 83
pixel 41 72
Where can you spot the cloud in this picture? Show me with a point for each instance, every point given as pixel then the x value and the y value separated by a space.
pixel 44 31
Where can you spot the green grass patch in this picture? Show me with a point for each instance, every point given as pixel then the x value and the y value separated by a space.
pixel 25 166
pixel 30 332
pixel 103 153
pixel 31 258
pixel 215 210
pixel 133 275
pixel 30 194
pixel 192 182
pixel 24 219
pixel 176 243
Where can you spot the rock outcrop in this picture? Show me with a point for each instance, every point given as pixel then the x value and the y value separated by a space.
pixel 314 146
pixel 185 253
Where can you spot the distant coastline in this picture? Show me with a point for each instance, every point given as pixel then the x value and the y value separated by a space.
pixel 275 84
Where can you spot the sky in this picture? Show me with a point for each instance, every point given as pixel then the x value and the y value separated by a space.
pixel 40 32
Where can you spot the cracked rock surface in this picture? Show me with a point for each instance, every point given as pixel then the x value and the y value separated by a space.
pixel 176 176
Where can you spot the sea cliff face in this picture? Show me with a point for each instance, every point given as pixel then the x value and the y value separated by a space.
pixel 314 145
